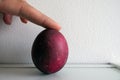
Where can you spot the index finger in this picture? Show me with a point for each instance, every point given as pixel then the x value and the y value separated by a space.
pixel 35 16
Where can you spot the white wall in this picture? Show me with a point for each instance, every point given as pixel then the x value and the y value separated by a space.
pixel 91 28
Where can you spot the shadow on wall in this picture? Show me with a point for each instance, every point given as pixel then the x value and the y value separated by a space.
pixel 1 23
pixel 14 42
pixel 3 41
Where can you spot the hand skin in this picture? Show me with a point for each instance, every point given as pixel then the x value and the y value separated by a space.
pixel 26 12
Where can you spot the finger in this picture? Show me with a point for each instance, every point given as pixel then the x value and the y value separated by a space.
pixel 7 18
pixel 23 20
pixel 37 17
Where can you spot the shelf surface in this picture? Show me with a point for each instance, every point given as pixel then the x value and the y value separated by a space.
pixel 67 73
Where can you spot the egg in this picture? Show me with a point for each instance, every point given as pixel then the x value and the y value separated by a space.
pixel 49 51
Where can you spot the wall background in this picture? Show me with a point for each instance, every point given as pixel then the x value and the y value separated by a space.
pixel 91 27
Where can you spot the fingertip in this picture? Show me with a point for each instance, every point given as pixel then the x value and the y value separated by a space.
pixel 55 26
pixel 58 28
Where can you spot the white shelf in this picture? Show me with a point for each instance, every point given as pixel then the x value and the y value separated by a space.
pixel 69 72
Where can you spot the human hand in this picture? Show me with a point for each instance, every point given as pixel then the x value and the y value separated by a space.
pixel 26 12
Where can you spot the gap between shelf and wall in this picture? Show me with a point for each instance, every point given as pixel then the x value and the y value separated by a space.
pixel 75 65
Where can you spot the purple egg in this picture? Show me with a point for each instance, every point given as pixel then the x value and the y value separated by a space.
pixel 50 51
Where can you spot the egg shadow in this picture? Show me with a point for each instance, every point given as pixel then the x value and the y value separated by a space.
pixel 28 72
